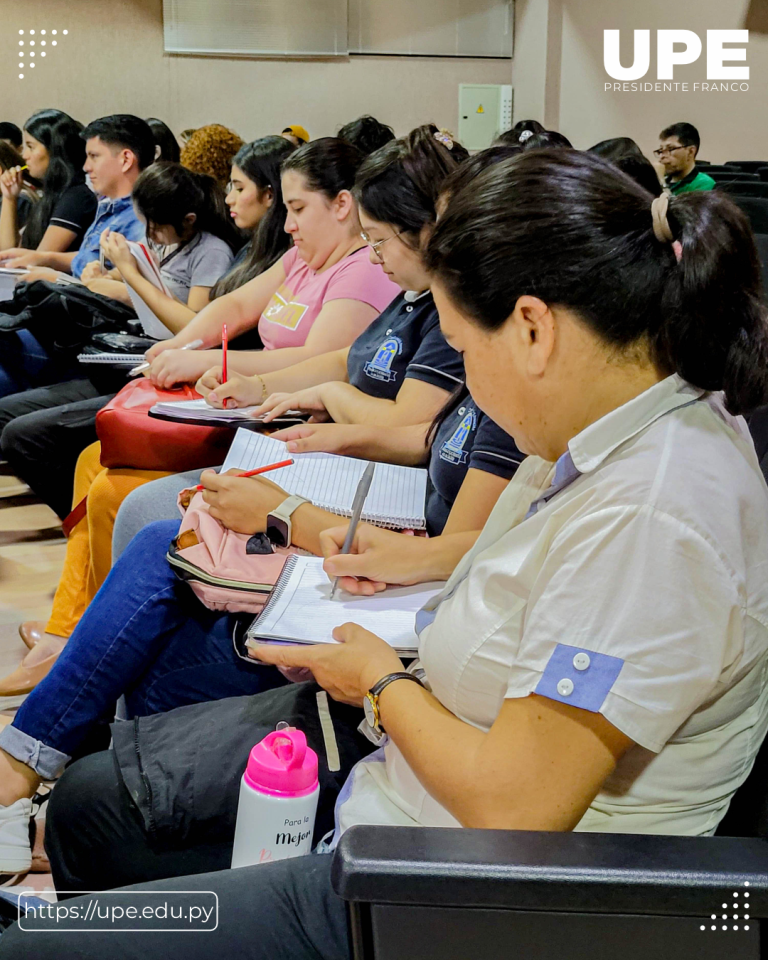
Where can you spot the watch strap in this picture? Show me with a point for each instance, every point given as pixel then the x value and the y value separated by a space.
pixel 380 685
pixel 288 506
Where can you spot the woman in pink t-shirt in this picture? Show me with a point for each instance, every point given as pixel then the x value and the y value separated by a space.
pixel 319 297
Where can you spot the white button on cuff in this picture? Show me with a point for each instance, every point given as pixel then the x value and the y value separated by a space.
pixel 565 687
pixel 581 661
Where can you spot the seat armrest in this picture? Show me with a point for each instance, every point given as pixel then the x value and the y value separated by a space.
pixel 526 870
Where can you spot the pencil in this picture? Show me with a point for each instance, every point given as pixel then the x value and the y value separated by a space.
pixel 255 473
pixel 357 511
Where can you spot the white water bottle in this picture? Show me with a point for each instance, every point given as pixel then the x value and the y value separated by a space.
pixel 278 800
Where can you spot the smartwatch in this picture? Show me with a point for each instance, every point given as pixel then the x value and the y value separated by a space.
pixel 279 521
pixel 371 702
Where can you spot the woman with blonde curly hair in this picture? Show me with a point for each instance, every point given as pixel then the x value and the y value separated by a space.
pixel 210 151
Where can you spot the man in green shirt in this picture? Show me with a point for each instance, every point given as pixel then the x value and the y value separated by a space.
pixel 677 154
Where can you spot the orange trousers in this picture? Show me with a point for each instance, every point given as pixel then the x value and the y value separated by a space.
pixel 89 548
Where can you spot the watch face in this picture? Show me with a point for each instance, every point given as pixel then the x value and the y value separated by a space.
pixel 277 531
pixel 370 716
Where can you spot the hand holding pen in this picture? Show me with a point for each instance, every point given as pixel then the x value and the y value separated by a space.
pixel 140 368
pixel 357 511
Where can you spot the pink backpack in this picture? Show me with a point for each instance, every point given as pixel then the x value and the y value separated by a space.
pixel 214 561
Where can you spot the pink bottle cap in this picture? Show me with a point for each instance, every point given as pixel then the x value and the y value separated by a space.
pixel 282 764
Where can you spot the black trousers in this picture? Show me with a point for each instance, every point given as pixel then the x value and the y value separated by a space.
pixel 44 431
pixel 272 911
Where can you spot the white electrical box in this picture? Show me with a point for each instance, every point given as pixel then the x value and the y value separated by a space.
pixel 485 111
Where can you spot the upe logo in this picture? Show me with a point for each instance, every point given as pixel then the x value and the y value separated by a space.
pixel 676 48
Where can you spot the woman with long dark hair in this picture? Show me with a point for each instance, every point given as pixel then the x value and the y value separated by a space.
pixel 255 201
pixel 54 152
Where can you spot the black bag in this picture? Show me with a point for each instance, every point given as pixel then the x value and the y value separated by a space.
pixel 64 317
pixel 119 343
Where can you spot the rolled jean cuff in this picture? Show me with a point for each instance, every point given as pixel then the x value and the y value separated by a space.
pixel 47 763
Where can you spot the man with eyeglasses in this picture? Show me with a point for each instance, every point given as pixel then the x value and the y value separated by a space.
pixel 677 154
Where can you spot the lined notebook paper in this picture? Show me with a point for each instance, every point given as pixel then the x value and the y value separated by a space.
pixel 300 609
pixel 396 498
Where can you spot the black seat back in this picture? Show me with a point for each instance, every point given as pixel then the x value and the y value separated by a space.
pixel 745 188
pixel 751 166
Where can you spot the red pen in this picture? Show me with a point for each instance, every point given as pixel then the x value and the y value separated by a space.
pixel 224 344
pixel 255 473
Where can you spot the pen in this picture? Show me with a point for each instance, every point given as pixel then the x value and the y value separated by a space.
pixel 357 510
pixel 224 343
pixel 255 473
pixel 195 345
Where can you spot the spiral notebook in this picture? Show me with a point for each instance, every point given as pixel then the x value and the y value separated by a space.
pixel 300 611
pixel 396 499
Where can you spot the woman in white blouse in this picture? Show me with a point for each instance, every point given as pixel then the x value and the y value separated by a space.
pixel 597 661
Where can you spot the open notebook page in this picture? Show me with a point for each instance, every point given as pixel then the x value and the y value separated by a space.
pixel 301 610
pixel 396 498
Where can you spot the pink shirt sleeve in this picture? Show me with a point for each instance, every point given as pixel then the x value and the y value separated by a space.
pixel 356 278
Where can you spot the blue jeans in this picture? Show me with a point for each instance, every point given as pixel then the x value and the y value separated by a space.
pixel 145 636
pixel 24 364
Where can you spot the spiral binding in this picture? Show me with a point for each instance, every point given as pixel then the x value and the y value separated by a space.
pixel 277 592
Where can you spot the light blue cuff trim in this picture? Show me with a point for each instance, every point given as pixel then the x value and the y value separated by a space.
pixel 579 677
pixel 44 760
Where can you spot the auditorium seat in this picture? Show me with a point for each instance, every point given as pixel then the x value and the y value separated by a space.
pixel 751 190
pixel 750 166
pixel 756 208
pixel 494 895
pixel 731 173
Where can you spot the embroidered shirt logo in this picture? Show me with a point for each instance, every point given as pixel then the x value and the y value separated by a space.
pixel 453 449
pixel 380 368
pixel 283 310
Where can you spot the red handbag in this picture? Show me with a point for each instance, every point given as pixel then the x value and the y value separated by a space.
pixel 132 439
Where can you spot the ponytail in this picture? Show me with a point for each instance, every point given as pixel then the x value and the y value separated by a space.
pixel 400 183
pixel 714 331
pixel 572 230
pixel 166 192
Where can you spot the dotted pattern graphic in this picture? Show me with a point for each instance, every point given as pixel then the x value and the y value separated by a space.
pixel 737 912
pixel 36 39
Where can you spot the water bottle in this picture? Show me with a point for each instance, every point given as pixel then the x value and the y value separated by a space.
pixel 278 800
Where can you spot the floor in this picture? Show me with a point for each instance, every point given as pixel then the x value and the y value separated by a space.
pixel 32 550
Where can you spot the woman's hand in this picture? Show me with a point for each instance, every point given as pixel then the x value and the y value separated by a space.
pixel 238 391
pixel 11 183
pixel 347 670
pixel 240 503
pixel 19 257
pixel 162 347
pixel 91 271
pixel 39 273
pixel 113 289
pixel 311 400
pixel 176 366
pixel 378 556
pixel 340 438
pixel 116 250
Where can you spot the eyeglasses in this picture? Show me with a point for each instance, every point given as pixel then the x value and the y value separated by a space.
pixel 379 243
pixel 662 150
